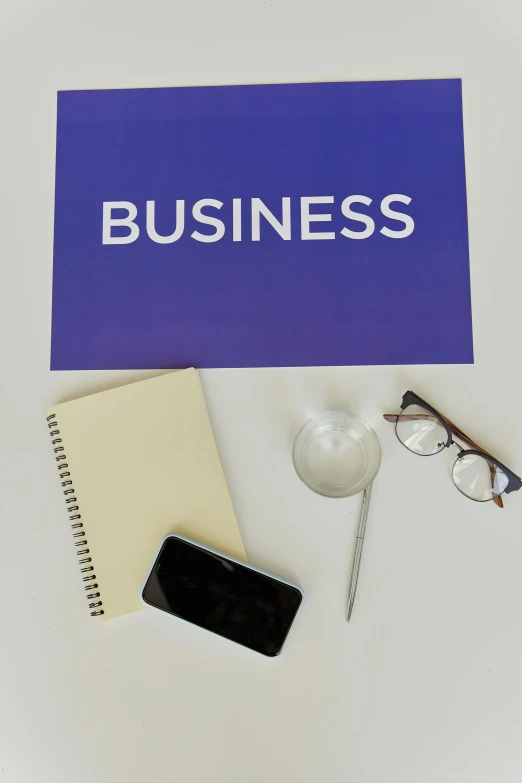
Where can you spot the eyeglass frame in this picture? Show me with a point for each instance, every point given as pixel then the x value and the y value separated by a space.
pixel 411 398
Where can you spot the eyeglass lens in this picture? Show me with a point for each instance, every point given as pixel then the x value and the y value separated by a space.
pixel 477 478
pixel 420 431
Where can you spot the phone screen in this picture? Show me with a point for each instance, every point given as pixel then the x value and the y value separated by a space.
pixel 222 596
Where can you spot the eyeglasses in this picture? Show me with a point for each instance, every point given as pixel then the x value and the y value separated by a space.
pixel 476 474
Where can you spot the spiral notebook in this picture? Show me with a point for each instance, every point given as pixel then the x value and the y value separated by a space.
pixel 137 463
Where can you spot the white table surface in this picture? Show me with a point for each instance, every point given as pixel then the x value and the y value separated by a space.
pixel 425 684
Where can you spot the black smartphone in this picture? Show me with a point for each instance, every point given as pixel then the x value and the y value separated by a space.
pixel 222 595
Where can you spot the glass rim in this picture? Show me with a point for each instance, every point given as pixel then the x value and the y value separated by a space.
pixel 362 433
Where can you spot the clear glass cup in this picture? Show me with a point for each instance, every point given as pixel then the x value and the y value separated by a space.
pixel 336 454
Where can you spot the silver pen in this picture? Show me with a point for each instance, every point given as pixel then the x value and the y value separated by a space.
pixel 358 549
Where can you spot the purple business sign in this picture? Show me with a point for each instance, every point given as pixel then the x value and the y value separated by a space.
pixel 266 225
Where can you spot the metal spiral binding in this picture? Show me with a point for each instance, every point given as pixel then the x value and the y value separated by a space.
pixel 79 534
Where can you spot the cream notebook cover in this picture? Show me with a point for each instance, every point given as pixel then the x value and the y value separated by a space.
pixel 137 463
